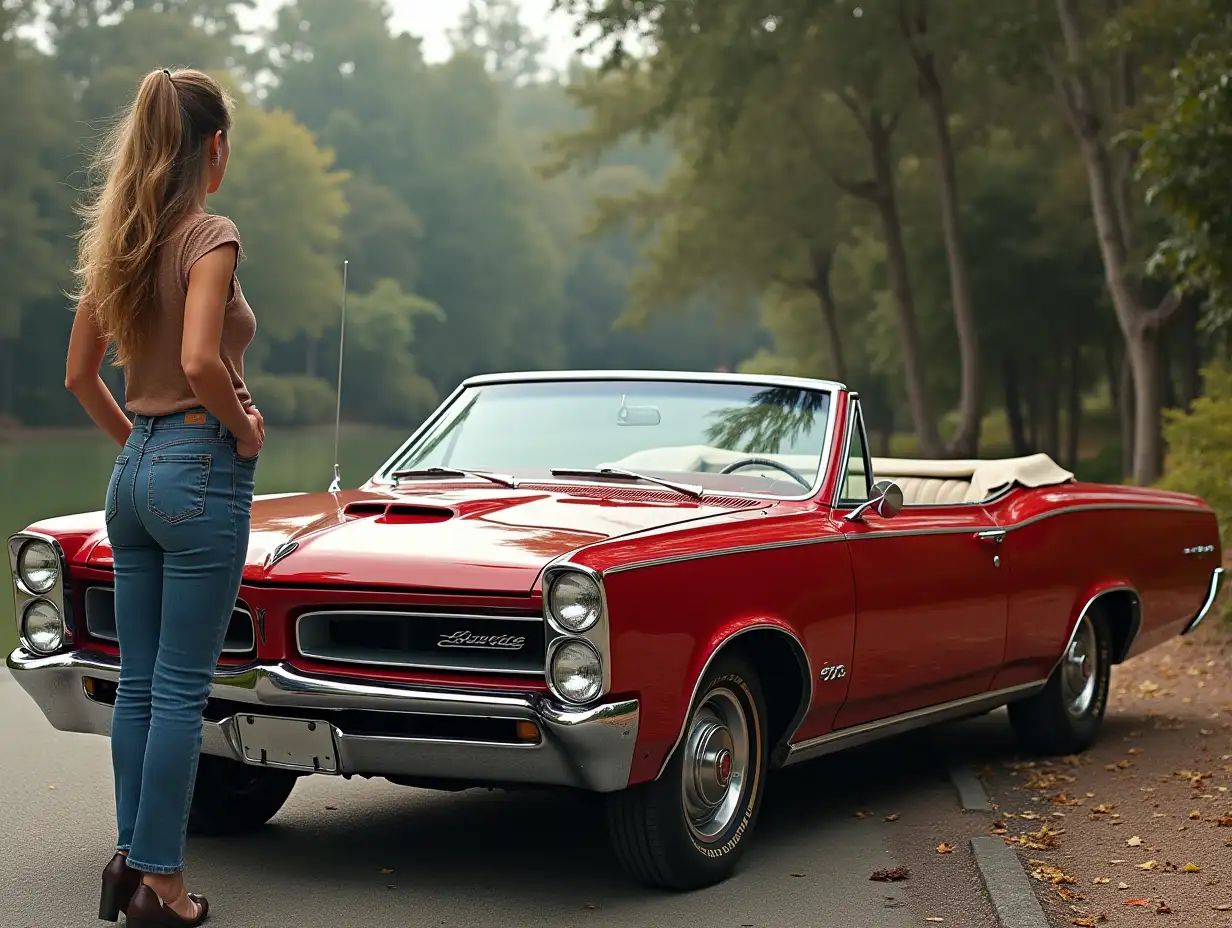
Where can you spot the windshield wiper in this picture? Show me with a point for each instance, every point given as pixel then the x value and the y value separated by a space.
pixel 454 472
pixel 615 473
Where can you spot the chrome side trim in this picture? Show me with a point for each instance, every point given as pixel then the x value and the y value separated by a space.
pixel 801 652
pixel 587 748
pixel 1211 593
pixel 1086 607
pixel 872 536
pixel 908 721
pixel 722 552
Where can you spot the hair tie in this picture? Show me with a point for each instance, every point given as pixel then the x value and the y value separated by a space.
pixel 168 73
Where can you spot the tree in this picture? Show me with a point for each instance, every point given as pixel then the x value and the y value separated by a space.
pixel 287 201
pixel 493 31
pixel 34 206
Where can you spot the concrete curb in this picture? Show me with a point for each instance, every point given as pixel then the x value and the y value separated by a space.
pixel 971 793
pixel 1009 888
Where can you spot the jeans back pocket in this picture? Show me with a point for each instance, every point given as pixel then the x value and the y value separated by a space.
pixel 177 485
pixel 113 487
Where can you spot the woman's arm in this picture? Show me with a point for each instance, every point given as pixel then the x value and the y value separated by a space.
pixel 209 286
pixel 86 348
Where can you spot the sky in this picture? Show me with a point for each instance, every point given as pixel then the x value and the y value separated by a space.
pixel 432 19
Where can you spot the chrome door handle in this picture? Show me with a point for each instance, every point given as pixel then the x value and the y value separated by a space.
pixel 994 536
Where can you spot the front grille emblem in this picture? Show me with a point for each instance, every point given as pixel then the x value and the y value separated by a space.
pixel 464 639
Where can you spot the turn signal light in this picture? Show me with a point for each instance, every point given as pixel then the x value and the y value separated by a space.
pixel 528 732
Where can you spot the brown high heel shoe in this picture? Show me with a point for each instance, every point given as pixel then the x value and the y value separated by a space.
pixel 120 881
pixel 147 910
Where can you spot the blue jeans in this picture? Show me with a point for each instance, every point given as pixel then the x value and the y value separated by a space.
pixel 178 508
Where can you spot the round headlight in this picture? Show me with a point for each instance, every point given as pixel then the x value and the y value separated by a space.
pixel 575 601
pixel 41 627
pixel 38 567
pixel 577 672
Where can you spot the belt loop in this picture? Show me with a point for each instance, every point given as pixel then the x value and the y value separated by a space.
pixel 149 424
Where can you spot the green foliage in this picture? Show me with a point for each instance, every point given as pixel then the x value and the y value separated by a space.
pixel 288 204
pixel 292 399
pixel 1199 444
pixel 1186 157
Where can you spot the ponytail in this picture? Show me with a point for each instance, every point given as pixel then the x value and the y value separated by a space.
pixel 154 165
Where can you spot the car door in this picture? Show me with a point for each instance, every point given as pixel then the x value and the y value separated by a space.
pixel 931 597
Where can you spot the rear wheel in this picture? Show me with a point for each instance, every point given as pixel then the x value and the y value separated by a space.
pixel 1065 717
pixel 230 797
pixel 689 828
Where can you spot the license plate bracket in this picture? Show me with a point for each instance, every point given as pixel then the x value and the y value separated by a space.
pixel 305 745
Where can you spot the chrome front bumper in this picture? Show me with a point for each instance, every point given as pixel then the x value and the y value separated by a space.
pixel 590 749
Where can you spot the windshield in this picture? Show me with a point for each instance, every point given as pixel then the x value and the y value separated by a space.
pixel 771 438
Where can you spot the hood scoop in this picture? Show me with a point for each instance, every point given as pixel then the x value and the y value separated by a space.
pixel 398 513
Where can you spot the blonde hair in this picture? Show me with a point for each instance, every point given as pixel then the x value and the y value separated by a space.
pixel 154 165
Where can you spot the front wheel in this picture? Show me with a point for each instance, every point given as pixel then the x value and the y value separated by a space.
pixel 1066 715
pixel 688 828
pixel 230 797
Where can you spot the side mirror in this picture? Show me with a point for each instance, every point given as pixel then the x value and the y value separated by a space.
pixel 886 500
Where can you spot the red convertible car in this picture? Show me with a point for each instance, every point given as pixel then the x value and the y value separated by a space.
pixel 655 587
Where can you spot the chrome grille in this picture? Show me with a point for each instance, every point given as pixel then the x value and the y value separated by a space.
pixel 424 640
pixel 101 623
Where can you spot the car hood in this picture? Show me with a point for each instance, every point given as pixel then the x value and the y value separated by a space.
pixel 473 540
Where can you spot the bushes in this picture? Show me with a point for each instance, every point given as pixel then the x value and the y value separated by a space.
pixel 1199 443
pixel 292 400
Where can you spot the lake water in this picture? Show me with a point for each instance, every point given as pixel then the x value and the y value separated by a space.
pixel 60 474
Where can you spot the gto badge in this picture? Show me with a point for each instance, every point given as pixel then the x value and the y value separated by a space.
pixel 465 639
pixel 1201 549
pixel 830 674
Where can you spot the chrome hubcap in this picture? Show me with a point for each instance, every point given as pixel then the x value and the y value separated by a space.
pixel 1078 677
pixel 716 762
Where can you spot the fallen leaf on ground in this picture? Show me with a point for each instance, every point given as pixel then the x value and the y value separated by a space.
pixel 1149 865
pixel 1103 809
pixel 934 918
pixel 1137 902
pixel 1135 841
pixel 893 817
pixel 797 874
pixel 1192 868
pixel 1088 921
pixel 1195 815
pixel 891 876
pixel 998 828
pixel 386 871
pixel 1122 886
pixel 1050 873
pixel 1163 909
pixel 1225 822
pixel 1222 908
pixel 944 848
pixel 1070 895
pixel 1100 879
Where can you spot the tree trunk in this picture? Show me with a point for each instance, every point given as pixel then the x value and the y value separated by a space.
pixel 1011 392
pixel 1139 325
pixel 1114 374
pixel 1051 410
pixel 1191 355
pixel 823 262
pixel 1127 415
pixel 1073 405
pixel 966 440
pixel 900 285
pixel 1033 409
pixel 6 378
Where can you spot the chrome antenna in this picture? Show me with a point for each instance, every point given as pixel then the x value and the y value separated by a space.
pixel 336 484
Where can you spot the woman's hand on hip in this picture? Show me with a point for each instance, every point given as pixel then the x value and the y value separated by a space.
pixel 250 445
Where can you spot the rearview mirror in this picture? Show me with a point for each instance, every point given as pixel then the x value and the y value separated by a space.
pixel 886 500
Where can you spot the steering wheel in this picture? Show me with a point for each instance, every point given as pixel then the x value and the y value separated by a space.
pixel 766 462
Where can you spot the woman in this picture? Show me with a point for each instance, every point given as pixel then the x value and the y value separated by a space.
pixel 157 281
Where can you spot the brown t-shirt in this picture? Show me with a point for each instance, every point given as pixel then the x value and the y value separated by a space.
pixel 154 382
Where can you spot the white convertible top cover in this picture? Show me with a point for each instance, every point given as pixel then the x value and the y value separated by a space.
pixel 923 481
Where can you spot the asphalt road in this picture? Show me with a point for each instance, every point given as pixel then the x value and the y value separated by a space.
pixel 371 854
